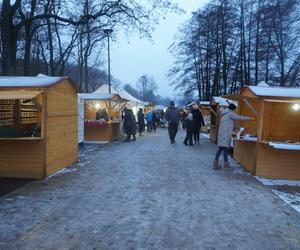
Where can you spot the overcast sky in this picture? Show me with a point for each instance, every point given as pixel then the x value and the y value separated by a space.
pixel 133 58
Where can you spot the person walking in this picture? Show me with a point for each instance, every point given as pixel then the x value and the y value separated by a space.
pixel 149 117
pixel 224 134
pixel 189 130
pixel 173 117
pixel 141 121
pixel 154 120
pixel 198 122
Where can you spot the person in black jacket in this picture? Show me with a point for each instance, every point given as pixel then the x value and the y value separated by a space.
pixel 141 121
pixel 129 124
pixel 189 130
pixel 173 117
pixel 198 121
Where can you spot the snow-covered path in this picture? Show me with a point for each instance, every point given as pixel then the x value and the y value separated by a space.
pixel 147 194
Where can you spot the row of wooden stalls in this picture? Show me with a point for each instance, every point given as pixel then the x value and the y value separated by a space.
pixel 99 114
pixel 41 123
pixel 268 146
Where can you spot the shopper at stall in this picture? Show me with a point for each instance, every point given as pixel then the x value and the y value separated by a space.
pixel 129 124
pixel 173 117
pixel 189 130
pixel 224 134
pixel 141 121
pixel 198 122
pixel 149 117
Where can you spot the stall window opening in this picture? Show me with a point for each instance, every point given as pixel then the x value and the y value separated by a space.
pixel 20 118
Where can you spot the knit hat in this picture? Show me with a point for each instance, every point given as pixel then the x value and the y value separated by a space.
pixel 232 106
pixel 172 103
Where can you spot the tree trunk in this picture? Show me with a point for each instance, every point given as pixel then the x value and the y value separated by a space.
pixel 8 40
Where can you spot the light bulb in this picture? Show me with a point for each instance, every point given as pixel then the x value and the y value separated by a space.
pixel 296 107
pixel 97 106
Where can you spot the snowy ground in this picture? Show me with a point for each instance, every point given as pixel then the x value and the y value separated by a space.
pixel 288 191
pixel 147 194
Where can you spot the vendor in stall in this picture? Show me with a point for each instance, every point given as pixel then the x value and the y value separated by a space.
pixel 101 114
pixel 224 134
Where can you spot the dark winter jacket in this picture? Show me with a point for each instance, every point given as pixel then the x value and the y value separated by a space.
pixel 197 119
pixel 141 117
pixel 172 114
pixel 129 122
pixel 189 126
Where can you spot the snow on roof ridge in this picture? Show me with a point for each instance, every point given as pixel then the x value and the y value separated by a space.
pixel 275 91
pixel 29 81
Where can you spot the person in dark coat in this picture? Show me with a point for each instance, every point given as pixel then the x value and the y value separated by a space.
pixel 189 130
pixel 173 117
pixel 141 121
pixel 198 122
pixel 129 124
pixel 154 120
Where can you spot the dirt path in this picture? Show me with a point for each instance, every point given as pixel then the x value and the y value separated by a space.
pixel 147 194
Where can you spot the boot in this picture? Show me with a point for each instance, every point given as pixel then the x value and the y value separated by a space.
pixel 227 166
pixel 216 165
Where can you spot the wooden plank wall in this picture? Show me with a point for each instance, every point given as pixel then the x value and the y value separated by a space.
pixel 277 164
pixel 61 127
pixel 245 153
pixel 21 159
pixel 281 122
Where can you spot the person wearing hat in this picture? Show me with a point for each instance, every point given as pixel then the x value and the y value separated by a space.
pixel 224 134
pixel 173 117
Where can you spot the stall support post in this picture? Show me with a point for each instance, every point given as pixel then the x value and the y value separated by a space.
pixel 260 122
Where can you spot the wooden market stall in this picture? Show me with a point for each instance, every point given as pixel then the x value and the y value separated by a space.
pixel 133 103
pixel 38 126
pixel 102 116
pixel 270 146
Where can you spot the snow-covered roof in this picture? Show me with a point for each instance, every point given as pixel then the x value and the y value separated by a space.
pixel 103 89
pixel 204 103
pixel 220 100
pixel 101 97
pixel 29 81
pixel 275 91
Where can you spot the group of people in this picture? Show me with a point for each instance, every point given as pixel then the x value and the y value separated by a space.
pixel 153 119
pixel 130 125
pixel 193 120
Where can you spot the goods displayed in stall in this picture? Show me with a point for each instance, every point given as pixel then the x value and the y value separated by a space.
pixel 269 146
pixel 102 116
pixel 38 126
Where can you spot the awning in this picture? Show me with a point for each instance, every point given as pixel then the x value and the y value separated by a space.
pixel 18 94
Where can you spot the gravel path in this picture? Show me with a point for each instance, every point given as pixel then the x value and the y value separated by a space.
pixel 147 194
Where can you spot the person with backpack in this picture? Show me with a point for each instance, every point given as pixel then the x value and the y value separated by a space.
pixel 173 117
